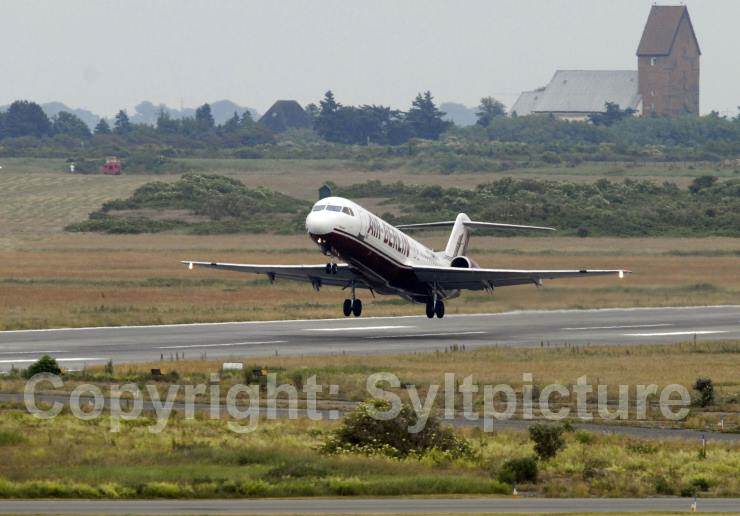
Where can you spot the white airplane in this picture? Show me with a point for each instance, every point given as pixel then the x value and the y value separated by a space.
pixel 379 257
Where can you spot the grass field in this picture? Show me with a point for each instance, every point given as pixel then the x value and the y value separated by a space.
pixel 51 278
pixel 39 198
pixel 87 279
pixel 69 458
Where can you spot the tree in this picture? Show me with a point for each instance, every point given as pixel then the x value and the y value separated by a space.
pixel 424 119
pixel 166 124
pixel 327 122
pixel 71 125
pixel 122 125
pixel 246 119
pixel 313 111
pixel 488 109
pixel 204 118
pixel 232 124
pixel 548 439
pixel 102 127
pixel 611 115
pixel 25 118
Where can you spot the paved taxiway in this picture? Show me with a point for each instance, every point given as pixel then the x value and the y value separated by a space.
pixel 365 506
pixel 76 347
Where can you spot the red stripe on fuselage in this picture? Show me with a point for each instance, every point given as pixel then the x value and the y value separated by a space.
pixel 373 262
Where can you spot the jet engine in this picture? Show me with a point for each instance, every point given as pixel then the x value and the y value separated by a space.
pixel 463 262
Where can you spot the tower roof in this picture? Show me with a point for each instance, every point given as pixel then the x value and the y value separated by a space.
pixel 661 29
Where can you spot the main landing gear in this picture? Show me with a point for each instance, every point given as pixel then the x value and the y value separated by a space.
pixel 352 306
pixel 435 308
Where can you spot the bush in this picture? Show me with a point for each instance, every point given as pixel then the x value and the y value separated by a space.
pixel 45 364
pixel 11 438
pixel 705 387
pixel 363 432
pixel 517 471
pixel 548 439
pixel 664 487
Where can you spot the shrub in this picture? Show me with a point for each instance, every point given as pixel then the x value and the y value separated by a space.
pixel 11 437
pixel 702 182
pixel 642 447
pixel 705 387
pixel 363 432
pixel 664 487
pixel 584 437
pixel 548 439
pixel 516 471
pixel 45 364
pixel 700 484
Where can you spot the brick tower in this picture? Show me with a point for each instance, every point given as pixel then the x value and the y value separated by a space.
pixel 668 63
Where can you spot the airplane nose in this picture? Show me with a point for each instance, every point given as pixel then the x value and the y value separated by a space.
pixel 319 223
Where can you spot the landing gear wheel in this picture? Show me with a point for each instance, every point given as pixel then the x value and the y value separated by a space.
pixel 333 268
pixel 357 307
pixel 430 309
pixel 439 309
pixel 347 307
pixel 328 268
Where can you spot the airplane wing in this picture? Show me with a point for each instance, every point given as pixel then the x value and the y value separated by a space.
pixel 314 274
pixel 480 279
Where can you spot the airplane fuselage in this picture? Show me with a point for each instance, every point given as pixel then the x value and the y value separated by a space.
pixel 381 253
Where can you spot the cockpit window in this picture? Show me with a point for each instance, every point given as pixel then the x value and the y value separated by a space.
pixel 334 208
pixel 319 207
pixel 348 211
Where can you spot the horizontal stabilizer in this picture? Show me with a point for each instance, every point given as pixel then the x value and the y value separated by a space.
pixel 473 225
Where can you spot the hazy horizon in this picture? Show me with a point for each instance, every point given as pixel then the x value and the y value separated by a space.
pixel 108 55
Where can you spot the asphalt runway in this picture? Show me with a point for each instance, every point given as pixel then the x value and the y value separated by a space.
pixel 366 506
pixel 74 348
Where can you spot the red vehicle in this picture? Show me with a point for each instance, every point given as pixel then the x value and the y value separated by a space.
pixel 112 166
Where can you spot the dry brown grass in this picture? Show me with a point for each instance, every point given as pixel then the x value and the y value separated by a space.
pixel 81 280
pixel 51 278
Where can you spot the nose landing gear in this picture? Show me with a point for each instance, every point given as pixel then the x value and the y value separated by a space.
pixel 331 268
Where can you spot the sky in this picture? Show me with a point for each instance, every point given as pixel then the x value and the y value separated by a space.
pixel 106 55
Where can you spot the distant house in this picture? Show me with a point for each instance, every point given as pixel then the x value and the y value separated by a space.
pixel 665 83
pixel 284 115
pixel 576 94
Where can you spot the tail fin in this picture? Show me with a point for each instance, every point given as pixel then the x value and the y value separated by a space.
pixel 457 245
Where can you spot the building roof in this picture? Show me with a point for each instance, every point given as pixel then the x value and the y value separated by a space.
pixel 661 29
pixel 285 114
pixel 526 102
pixel 585 91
